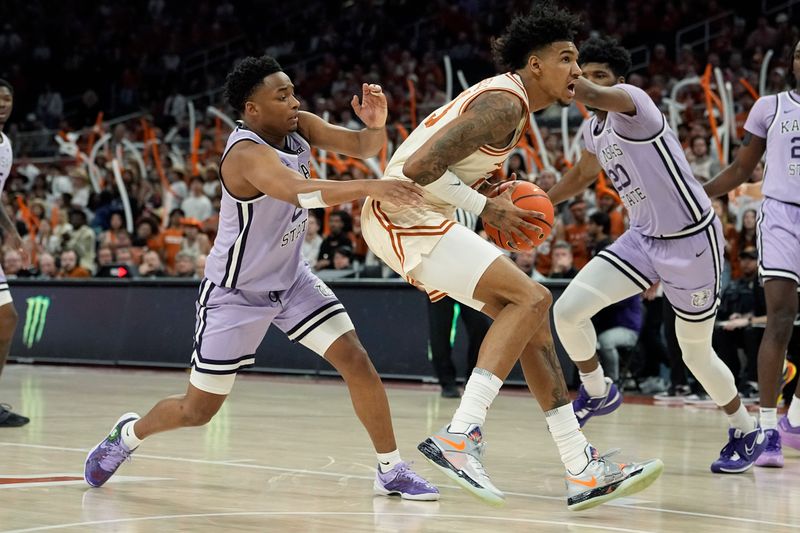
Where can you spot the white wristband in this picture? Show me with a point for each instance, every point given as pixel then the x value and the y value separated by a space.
pixel 452 190
pixel 311 200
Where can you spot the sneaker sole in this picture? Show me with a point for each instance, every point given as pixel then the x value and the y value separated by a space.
pixel 637 483
pixel 430 497
pixel 120 419
pixel 435 457
pixel 771 463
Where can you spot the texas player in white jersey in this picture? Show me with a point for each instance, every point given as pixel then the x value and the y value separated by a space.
pixel 450 154
pixel 8 315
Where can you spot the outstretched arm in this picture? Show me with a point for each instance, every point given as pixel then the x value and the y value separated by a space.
pixel 604 98
pixel 264 170
pixel 741 169
pixel 576 179
pixel 363 143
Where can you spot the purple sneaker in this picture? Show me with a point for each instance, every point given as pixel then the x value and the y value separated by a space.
pixel 790 435
pixel 403 481
pixel 772 456
pixel 586 407
pixel 106 457
pixel 741 451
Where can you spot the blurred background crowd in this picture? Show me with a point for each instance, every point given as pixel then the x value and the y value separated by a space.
pixel 119 120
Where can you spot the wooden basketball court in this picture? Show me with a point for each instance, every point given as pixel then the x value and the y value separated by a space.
pixel 288 454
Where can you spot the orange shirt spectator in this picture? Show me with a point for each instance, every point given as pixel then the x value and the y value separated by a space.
pixel 577 235
pixel 70 267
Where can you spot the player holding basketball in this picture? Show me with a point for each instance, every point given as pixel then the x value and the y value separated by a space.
pixel 255 274
pixel 674 238
pixel 772 127
pixel 451 153
pixel 8 315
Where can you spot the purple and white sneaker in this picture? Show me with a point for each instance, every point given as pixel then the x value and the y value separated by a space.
pixel 406 483
pixel 586 407
pixel 790 435
pixel 741 451
pixel 106 457
pixel 772 455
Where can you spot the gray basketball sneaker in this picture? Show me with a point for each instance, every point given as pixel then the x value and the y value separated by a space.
pixel 459 456
pixel 602 481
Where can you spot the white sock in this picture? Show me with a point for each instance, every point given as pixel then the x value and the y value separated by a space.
pixel 387 461
pixel 742 420
pixel 768 417
pixel 129 438
pixel 794 411
pixel 480 392
pixel 568 437
pixel 594 382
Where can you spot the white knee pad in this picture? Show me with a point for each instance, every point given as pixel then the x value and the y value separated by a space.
pixel 716 378
pixel 572 315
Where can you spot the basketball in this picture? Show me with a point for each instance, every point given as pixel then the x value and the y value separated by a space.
pixel 525 195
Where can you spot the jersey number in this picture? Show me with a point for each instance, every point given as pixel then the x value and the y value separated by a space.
pixel 795 147
pixel 620 176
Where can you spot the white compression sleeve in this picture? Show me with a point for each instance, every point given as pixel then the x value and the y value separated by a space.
pixel 596 286
pixel 452 190
pixel 716 378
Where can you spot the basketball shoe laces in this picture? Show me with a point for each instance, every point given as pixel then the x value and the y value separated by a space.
pixel 405 473
pixel 478 464
pixel 114 456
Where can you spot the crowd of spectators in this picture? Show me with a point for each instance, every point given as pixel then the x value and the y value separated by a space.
pixel 69 61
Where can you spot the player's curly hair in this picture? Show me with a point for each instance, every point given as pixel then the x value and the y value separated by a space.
pixel 544 25
pixel 606 50
pixel 246 76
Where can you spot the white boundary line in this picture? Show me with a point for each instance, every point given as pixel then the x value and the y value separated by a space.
pixel 331 513
pixel 630 506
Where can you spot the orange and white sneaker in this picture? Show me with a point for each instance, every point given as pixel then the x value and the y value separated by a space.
pixel 459 456
pixel 602 481
pixel 789 373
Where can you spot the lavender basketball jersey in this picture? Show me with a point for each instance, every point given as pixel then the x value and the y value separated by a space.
pixel 259 240
pixel 645 161
pixel 776 118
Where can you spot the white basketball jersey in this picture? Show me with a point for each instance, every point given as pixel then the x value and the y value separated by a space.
pixel 6 158
pixel 475 168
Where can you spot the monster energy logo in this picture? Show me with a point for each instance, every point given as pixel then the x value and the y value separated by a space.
pixel 35 318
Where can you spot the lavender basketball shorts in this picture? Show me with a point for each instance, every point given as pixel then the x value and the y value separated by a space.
pixel 779 240
pixel 232 323
pixel 689 267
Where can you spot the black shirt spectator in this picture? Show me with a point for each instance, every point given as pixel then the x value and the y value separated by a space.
pixel 341 224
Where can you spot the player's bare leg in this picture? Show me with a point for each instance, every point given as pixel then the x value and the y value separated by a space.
pixel 195 408
pixel 393 476
pixel 781 296
pixel 350 359
pixel 8 323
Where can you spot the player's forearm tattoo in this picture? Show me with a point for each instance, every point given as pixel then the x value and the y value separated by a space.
pixel 560 394
pixel 493 118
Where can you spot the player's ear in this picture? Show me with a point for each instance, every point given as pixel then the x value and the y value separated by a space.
pixel 250 108
pixel 621 79
pixel 535 64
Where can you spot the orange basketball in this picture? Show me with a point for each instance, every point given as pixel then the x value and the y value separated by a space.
pixel 525 195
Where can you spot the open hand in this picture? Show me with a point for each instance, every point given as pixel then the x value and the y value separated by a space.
pixel 373 109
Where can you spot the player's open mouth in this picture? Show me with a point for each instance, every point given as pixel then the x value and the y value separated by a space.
pixel 571 89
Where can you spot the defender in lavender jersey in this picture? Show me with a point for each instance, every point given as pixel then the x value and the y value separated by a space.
pixel 674 239
pixel 255 275
pixel 773 127
pixel 8 315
